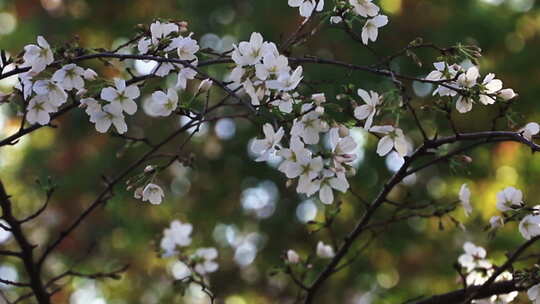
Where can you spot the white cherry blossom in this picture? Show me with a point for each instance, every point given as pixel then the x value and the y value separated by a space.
pixel 309 170
pixel 530 130
pixel 177 235
pixel 249 53
pixel 496 222
pixel 324 251
pixel 307 7
pixel 153 194
pixel 164 104
pixel 25 84
pixel 467 80
pixel 464 198
pixel 121 97
pixel 370 31
pixel 529 226
pixel 92 106
pixel 180 271
pixel 329 181
pixel 534 294
pixel 70 77
pixel 291 164
pixel 237 74
pixel 464 104
pixel 490 86
pixel 163 69
pixel 158 31
pixel 55 93
pixel 368 110
pixel 474 257
pixel 309 127
pixel 272 65
pixel 183 76
pixel 255 94
pixel 286 81
pixel 393 139
pixel 205 258
pixel 39 56
pixel 267 146
pixel 292 257
pixel 444 72
pixel 342 148
pixel 39 109
pixel 109 115
pixel 144 45
pixel 186 47
pixel 509 198
pixel 364 8
pixel 284 103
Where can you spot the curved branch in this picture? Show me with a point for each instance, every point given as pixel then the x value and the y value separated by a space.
pixel 403 172
pixel 460 295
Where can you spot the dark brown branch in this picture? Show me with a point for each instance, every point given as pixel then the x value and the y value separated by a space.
pixel 10 253
pixel 27 254
pixel 458 296
pixel 471 295
pixel 12 283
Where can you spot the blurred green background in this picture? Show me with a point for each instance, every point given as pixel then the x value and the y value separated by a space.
pixel 243 207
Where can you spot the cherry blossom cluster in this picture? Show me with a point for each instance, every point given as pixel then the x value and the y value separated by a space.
pixel 320 172
pixel 307 7
pixel 510 203
pixel 465 84
pixel 115 101
pixel 200 262
pixel 263 73
pixel 327 169
pixel 352 9
pixel 166 40
pixel 45 95
pixel 145 187
pixel 315 152
pixel 478 270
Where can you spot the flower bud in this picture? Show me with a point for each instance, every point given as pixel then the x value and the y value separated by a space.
pixel 292 257
pixel 205 85
pixel 325 251
pixel 507 94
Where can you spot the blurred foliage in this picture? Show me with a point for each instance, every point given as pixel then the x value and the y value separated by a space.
pixel 404 261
